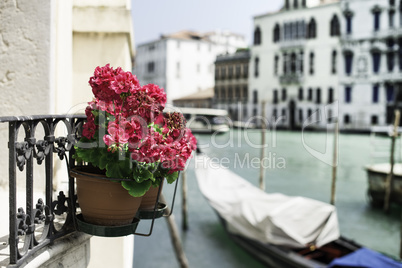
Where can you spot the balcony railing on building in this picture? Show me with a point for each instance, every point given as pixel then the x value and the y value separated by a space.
pixel 292 78
pixel 37 225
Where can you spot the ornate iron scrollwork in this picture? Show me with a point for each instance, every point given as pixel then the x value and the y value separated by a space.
pixel 36 228
pixel 23 153
pixel 39 216
pixel 59 205
pixel 21 221
pixel 60 146
pixel 42 150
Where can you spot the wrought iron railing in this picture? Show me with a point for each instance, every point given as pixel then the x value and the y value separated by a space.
pixel 34 227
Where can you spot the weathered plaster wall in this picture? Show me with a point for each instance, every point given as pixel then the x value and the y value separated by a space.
pixel 25 57
pixel 25 39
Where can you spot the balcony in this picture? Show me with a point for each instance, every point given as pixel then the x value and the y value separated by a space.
pixel 45 229
pixel 289 79
pixel 47 220
pixel 294 43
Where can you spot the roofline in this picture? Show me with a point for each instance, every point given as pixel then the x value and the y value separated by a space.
pixel 280 11
pixel 149 42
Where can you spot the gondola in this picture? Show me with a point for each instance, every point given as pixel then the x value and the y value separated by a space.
pixel 279 230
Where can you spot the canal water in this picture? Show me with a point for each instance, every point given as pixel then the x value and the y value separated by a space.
pixel 295 164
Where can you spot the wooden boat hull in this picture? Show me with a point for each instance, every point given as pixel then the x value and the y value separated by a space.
pixel 281 257
pixel 377 175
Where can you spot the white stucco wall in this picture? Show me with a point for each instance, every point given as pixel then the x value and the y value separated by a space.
pixel 25 83
pixel 100 36
pixel 196 67
pixel 25 47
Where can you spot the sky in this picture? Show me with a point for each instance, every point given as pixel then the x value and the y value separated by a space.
pixel 155 17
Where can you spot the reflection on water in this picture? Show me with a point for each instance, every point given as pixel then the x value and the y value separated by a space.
pixel 301 172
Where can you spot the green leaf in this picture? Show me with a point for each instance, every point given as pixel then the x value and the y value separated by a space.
pixel 136 189
pixel 141 173
pixel 118 168
pixel 170 178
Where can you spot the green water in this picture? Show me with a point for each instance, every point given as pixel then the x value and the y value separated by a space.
pixel 292 169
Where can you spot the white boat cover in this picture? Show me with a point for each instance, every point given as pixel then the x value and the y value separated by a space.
pixel 295 222
pixel 385 168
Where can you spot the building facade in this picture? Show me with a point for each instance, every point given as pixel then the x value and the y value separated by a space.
pixel 183 62
pixel 372 51
pixel 231 83
pixel 295 64
pixel 315 62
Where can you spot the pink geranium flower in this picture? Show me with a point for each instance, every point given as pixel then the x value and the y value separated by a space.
pixel 126 121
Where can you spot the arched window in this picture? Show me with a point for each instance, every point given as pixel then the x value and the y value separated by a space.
pixel 333 62
pixel 257 36
pixel 256 66
pixel 312 29
pixel 318 96
pixel 376 56
pixel 300 95
pixel 348 62
pixel 375 96
pixel 348 17
pixel 255 96
pixel 389 92
pixel 311 63
pixel 275 96
pixel 276 63
pixel 331 95
pixel 284 94
pixel 285 63
pixel 309 114
pixel 300 116
pixel 310 94
pixel 295 4
pixel 376 16
pixel 301 61
pixel 274 113
pixel 277 33
pixel 303 3
pixel 391 16
pixel 348 94
pixel 346 119
pixel 335 26
pixel 293 62
pixel 390 61
pixel 287 4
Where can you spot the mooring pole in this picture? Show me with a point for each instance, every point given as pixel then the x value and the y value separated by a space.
pixel 388 181
pixel 263 142
pixel 174 235
pixel 334 163
pixel 184 220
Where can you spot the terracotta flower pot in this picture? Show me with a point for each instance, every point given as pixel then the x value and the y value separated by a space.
pixel 150 198
pixel 104 202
